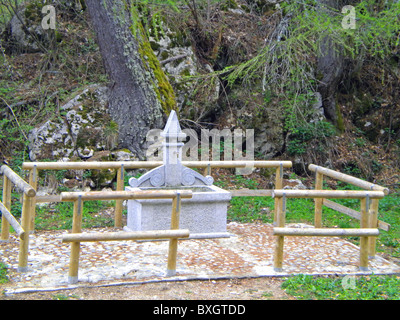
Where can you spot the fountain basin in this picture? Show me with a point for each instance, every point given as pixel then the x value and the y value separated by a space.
pixel 205 214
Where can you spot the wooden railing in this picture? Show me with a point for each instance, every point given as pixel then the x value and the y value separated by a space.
pixel 368 214
pixel 34 168
pixel 321 173
pixel 10 178
pixel 76 237
pixel 119 195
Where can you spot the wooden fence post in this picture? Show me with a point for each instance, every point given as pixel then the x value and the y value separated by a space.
pixel 24 243
pixel 118 203
pixel 364 240
pixel 173 243
pixel 5 226
pixel 75 246
pixel 373 223
pixel 280 219
pixel 319 178
pixel 207 170
pixel 33 178
pixel 278 185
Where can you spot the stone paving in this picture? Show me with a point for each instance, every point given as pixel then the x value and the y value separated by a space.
pixel 247 253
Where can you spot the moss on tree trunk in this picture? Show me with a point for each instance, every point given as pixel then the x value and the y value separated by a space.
pixel 140 93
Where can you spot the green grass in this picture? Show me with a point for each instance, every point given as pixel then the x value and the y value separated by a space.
pixel 59 216
pixel 306 287
pixel 250 209
pixel 3 273
pixel 60 296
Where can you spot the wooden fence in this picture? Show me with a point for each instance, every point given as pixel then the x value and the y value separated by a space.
pixel 10 178
pixel 321 173
pixel 76 237
pixel 34 168
pixel 30 199
pixel 368 214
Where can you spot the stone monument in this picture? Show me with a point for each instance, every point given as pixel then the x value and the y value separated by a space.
pixel 204 214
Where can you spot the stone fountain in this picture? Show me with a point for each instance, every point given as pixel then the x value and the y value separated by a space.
pixel 205 214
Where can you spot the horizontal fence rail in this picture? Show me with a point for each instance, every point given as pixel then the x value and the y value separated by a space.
pixel 20 183
pixel 119 236
pixel 346 178
pixel 125 195
pixel 325 232
pixel 152 164
pixel 251 193
pixel 337 194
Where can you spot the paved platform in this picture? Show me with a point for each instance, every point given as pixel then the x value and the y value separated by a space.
pixel 247 253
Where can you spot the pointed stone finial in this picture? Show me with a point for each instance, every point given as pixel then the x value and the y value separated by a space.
pixel 172 150
pixel 173 128
pixel 172 173
pixel 173 137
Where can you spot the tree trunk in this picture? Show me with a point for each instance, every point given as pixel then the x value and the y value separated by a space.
pixel 139 91
pixel 330 69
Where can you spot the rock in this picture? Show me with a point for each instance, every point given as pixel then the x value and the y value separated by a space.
pixel 71 183
pixel 83 131
pixel 180 63
pixel 268 139
pixel 124 155
pixel 318 109
pixel 31 40
pixel 293 184
pixel 237 11
pixel 103 178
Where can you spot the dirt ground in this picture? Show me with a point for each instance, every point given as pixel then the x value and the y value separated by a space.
pixel 266 288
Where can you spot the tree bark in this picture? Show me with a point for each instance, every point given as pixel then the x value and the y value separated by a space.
pixel 329 68
pixel 136 98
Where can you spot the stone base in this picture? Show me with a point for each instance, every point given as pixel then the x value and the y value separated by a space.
pixel 72 280
pixel 204 215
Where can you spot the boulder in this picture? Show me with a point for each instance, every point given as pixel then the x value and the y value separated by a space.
pixel 194 97
pixel 24 32
pixel 82 129
pixel 293 184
